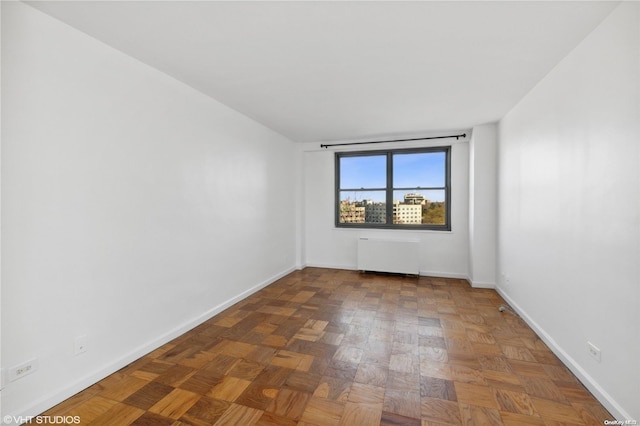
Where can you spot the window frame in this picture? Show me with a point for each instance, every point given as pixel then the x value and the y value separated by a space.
pixel 389 189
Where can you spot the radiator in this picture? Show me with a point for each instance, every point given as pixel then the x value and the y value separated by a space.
pixel 397 256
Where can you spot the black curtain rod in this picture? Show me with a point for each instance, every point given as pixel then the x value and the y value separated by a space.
pixel 394 140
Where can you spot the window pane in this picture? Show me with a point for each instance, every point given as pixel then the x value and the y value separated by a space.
pixel 426 170
pixel 419 207
pixel 413 196
pixel 362 207
pixel 363 172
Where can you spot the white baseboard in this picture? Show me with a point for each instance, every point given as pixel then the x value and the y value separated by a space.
pixel 437 274
pixel 589 382
pixel 37 407
pixel 440 274
pixel 330 266
pixel 480 284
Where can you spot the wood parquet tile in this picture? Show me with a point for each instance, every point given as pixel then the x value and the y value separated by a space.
pixel 333 347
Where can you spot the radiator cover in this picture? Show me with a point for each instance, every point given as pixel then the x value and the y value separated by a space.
pixel 396 256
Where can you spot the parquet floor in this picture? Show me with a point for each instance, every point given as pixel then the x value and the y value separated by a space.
pixel 335 347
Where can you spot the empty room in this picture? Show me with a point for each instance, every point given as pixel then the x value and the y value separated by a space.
pixel 320 212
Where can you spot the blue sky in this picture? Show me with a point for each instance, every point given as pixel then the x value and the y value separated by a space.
pixel 409 171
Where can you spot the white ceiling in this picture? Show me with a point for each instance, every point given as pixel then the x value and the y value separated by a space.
pixel 333 70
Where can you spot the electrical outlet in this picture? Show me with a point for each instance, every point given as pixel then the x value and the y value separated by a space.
pixel 80 344
pixel 21 370
pixel 593 351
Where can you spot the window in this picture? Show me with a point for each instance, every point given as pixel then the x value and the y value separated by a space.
pixel 405 189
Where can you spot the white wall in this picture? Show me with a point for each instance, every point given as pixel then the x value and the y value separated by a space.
pixel 483 205
pixel 442 253
pixel 1 385
pixel 569 215
pixel 133 207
